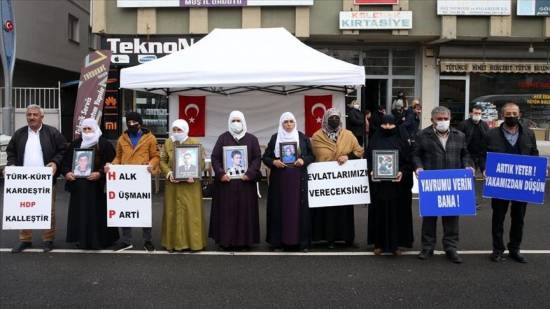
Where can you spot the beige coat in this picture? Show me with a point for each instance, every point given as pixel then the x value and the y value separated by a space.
pixel 146 151
pixel 325 149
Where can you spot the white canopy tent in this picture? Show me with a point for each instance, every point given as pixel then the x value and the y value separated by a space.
pixel 262 72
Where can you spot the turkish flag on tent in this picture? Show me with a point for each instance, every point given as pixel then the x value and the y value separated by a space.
pixel 315 108
pixel 193 110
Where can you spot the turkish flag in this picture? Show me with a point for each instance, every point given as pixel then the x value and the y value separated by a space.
pixel 193 110
pixel 315 108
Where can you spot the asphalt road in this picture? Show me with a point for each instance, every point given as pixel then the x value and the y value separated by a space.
pixel 142 280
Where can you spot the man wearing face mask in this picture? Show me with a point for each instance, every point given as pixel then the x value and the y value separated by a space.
pixel 513 138
pixel 475 130
pixel 355 120
pixel 440 147
pixel 137 146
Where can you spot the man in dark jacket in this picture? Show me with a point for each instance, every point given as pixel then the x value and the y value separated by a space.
pixel 412 118
pixel 37 145
pixel 513 138
pixel 475 130
pixel 440 147
pixel 355 120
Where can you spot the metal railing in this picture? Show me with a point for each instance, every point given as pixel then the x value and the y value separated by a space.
pixel 47 98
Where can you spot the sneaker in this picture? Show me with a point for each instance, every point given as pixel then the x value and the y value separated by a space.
pixel 122 246
pixel 148 246
pixel 425 254
pixel 21 247
pixel 47 246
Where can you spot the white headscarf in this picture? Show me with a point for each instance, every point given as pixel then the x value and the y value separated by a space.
pixel 236 115
pixel 283 136
pixel 181 124
pixel 89 139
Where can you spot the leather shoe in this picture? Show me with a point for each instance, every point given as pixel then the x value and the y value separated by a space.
pixel 514 255
pixel 453 256
pixel 21 247
pixel 497 257
pixel 425 254
pixel 48 246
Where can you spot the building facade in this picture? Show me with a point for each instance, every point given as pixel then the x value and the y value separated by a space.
pixel 451 53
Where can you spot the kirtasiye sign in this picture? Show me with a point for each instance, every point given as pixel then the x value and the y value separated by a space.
pixel 376 20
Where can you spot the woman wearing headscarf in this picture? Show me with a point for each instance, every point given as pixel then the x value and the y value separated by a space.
pixel 389 222
pixel 288 222
pixel 234 222
pixel 87 219
pixel 334 143
pixel 183 219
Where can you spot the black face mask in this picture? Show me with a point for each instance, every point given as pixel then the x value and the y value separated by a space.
pixel 511 121
pixel 133 129
pixel 333 123
pixel 389 132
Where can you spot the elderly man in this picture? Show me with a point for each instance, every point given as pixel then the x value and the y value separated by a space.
pixel 513 138
pixel 37 144
pixel 440 147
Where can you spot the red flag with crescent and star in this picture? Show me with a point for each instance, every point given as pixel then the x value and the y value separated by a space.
pixel 192 109
pixel 315 108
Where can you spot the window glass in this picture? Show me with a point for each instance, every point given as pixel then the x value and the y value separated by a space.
pixel 154 111
pixel 403 62
pixel 377 62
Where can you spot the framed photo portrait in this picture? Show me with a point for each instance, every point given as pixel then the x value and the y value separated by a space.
pixel 289 152
pixel 83 162
pixel 235 161
pixel 186 162
pixel 385 164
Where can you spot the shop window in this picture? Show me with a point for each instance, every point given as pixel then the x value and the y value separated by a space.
pixel 154 111
pixel 405 85
pixel 530 91
pixel 403 62
pixel 377 62
pixel 73 30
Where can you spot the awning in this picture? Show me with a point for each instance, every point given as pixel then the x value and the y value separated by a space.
pixel 230 61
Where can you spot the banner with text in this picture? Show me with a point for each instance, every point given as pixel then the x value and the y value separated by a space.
pixel 330 184
pixel 515 177
pixel 27 198
pixel 446 193
pixel 129 196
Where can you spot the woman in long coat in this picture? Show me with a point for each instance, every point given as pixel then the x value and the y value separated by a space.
pixel 87 219
pixel 234 221
pixel 288 222
pixel 389 224
pixel 334 143
pixel 183 219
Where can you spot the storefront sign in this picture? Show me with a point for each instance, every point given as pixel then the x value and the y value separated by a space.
pixel 210 3
pixel 128 196
pixel 466 66
pixel 474 7
pixel 376 20
pixel 111 108
pixel 533 7
pixel 446 193
pixel 539 99
pixel 131 50
pixel 27 198
pixel 375 2
pixel 330 184
pixel 515 177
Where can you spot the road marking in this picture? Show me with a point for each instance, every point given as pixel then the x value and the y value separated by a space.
pixel 266 253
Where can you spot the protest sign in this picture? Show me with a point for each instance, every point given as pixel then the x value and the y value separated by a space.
pixel 128 196
pixel 330 184
pixel 446 193
pixel 27 198
pixel 515 177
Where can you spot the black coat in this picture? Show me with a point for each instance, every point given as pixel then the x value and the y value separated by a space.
pixel 496 142
pixel 355 121
pixel 274 221
pixel 467 127
pixel 429 154
pixel 52 142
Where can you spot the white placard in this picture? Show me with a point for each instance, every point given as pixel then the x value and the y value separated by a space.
pixel 27 198
pixel 376 20
pixel 330 184
pixel 474 7
pixel 129 196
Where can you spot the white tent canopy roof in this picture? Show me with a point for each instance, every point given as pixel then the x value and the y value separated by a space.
pixel 260 57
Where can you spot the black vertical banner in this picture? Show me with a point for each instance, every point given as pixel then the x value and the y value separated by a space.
pixel 112 106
